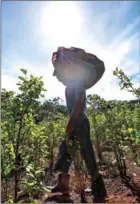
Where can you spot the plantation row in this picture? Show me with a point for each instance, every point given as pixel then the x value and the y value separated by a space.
pixel 31 133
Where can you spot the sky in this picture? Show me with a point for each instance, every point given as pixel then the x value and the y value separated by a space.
pixel 33 30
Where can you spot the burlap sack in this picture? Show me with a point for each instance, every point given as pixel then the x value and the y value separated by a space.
pixel 75 64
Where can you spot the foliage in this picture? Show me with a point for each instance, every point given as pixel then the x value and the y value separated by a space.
pixel 32 132
pixel 32 183
pixel 126 83
pixel 18 128
pixel 134 129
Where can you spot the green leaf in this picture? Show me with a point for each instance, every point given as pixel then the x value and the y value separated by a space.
pixel 24 71
pixel 7 170
pixel 114 72
pixel 18 84
pixel 31 184
pixel 38 171
pixel 138 160
pixel 21 78
pixel 133 133
pixel 130 130
pixel 31 175
pixel 29 168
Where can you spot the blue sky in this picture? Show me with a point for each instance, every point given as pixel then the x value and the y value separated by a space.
pixel 32 31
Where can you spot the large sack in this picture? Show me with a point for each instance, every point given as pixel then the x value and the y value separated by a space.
pixel 75 64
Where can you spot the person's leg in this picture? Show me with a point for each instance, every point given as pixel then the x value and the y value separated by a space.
pixel 83 133
pixel 62 165
pixel 64 158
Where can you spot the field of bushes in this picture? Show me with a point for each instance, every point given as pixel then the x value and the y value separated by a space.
pixel 32 132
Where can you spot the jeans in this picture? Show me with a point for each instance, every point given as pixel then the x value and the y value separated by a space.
pixel 82 135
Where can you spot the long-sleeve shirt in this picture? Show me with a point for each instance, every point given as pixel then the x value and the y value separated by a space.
pixel 72 93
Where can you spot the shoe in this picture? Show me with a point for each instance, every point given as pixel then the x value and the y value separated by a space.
pixel 62 185
pixel 98 187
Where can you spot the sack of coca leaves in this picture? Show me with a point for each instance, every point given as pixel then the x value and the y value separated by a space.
pixel 71 64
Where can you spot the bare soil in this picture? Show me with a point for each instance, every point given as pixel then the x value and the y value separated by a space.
pixel 118 190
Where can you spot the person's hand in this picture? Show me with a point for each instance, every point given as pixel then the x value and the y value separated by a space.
pixel 69 127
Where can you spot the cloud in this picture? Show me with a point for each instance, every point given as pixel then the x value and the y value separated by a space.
pixel 9 83
pixel 116 55
pixel 12 71
pixel 103 35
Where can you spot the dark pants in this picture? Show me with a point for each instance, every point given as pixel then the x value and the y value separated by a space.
pixel 82 135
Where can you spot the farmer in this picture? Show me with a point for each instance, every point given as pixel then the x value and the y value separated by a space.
pixel 76 102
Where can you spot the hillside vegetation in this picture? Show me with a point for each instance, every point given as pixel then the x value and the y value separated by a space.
pixel 32 132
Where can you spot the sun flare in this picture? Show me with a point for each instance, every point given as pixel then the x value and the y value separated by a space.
pixel 61 23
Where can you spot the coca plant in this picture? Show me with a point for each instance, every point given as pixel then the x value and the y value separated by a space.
pixel 134 130
pixel 18 128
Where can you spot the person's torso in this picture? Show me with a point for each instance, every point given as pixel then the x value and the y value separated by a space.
pixel 71 94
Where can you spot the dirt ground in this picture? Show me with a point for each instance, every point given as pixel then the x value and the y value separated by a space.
pixel 118 191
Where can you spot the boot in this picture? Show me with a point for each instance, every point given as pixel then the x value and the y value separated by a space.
pixel 98 187
pixel 62 185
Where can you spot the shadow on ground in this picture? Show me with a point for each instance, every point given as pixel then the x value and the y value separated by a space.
pixel 135 189
pixel 60 199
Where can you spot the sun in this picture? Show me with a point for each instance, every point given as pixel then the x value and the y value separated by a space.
pixel 61 23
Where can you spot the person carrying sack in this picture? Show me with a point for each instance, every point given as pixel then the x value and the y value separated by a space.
pixel 78 129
